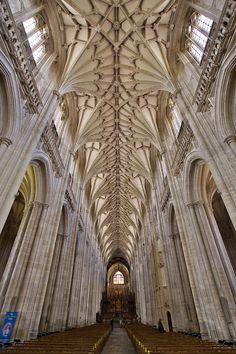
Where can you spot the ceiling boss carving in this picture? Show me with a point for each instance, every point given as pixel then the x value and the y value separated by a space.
pixel 116 67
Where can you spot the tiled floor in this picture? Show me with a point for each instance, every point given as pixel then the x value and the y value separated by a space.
pixel 119 343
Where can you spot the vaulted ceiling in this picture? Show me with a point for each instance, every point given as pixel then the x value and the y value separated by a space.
pixel 113 81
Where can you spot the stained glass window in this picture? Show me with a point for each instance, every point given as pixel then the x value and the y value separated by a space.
pixel 118 278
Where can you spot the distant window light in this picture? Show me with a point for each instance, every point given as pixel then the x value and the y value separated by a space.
pixel 118 278
pixel 30 25
pixel 36 30
pixel 177 121
pixel 204 23
pixel 39 53
pixel 197 35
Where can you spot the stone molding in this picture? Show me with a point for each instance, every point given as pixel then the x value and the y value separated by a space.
pixel 70 198
pixel 49 140
pixel 230 139
pixel 197 203
pixel 215 56
pixel 17 54
pixel 184 141
pixel 165 196
pixel 5 141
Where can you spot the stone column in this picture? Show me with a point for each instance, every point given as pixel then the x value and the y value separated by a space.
pixel 92 289
pixel 192 324
pixel 177 294
pixel 14 273
pixel 212 322
pixel 45 325
pixel 83 289
pixel 74 310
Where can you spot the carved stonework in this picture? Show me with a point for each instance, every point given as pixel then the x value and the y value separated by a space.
pixel 215 56
pixel 5 141
pixel 165 196
pixel 185 139
pixel 49 141
pixel 70 198
pixel 16 51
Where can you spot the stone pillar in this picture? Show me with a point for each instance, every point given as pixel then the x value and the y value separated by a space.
pixel 74 310
pixel 18 261
pixel 83 290
pixel 210 315
pixel 179 304
pixel 45 325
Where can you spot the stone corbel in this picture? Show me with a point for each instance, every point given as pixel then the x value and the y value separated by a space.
pixel 5 141
pixel 174 235
pixel 197 203
pixel 230 139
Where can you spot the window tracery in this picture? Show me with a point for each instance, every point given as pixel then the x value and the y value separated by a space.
pixel 37 35
pixel 118 278
pixel 197 36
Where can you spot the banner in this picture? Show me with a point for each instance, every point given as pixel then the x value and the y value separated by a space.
pixel 8 326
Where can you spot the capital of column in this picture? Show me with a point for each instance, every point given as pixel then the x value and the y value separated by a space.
pixel 5 141
pixel 38 204
pixel 63 235
pixel 28 206
pixel 230 139
pixel 197 203
pixel 57 94
pixel 174 235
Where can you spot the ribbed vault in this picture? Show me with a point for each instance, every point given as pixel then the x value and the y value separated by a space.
pixel 115 71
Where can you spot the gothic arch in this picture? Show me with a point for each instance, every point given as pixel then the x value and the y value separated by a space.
pixel 44 172
pixel 225 98
pixel 10 111
pixel 189 187
pixel 172 224
pixel 201 189
pixel 63 228
pixel 118 267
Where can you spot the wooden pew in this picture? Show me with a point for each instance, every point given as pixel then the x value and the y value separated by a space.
pixel 148 340
pixel 86 340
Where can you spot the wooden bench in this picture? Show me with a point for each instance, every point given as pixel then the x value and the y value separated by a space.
pixel 147 340
pixel 86 340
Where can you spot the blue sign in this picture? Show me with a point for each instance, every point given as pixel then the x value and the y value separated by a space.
pixel 8 326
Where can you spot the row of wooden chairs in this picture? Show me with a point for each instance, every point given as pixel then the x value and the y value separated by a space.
pixel 85 340
pixel 147 340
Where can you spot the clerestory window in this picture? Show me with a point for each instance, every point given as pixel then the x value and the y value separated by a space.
pixel 37 34
pixel 197 36
pixel 118 278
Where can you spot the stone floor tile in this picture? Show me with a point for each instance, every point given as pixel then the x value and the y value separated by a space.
pixel 119 343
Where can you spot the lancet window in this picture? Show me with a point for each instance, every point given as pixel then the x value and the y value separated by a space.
pixel 37 34
pixel 197 36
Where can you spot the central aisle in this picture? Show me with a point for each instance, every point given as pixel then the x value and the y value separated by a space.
pixel 119 343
